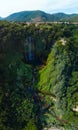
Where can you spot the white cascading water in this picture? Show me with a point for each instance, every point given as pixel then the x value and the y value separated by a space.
pixel 30 56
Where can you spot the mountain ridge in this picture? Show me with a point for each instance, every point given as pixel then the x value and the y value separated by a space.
pixel 40 16
pixel 0 18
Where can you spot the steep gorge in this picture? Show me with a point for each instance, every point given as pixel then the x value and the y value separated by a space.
pixel 38 76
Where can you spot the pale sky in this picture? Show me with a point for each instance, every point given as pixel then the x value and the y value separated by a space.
pixel 8 7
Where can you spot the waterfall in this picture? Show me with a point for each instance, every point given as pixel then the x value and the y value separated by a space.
pixel 30 56
pixel 29 51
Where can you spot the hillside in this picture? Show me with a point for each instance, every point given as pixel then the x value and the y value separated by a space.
pixel 73 18
pixel 40 16
pixel 29 16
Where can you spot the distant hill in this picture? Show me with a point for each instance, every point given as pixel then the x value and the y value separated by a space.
pixel 29 16
pixel 40 16
pixel 0 18
pixel 73 18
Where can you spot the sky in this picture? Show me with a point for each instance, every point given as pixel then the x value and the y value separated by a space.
pixel 8 7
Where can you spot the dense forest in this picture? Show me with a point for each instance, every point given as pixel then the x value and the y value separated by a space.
pixel 38 76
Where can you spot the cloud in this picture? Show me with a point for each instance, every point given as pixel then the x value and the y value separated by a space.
pixel 61 5
pixel 8 6
pixel 51 6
